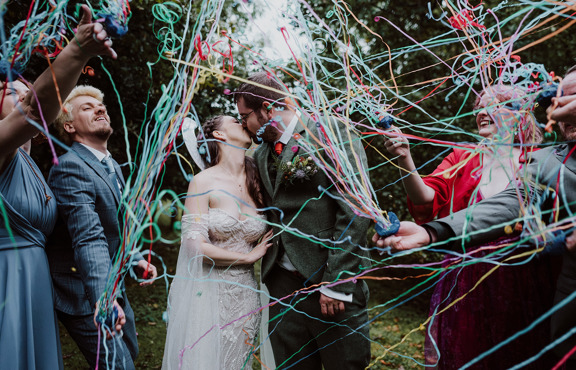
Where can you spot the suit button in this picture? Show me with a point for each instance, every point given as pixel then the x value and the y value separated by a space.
pixel 73 269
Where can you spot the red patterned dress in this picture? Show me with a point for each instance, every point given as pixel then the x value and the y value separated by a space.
pixel 505 302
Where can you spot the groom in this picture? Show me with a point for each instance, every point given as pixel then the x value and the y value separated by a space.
pixel 87 185
pixel 319 239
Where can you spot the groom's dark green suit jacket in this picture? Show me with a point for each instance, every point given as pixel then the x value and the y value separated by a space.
pixel 321 235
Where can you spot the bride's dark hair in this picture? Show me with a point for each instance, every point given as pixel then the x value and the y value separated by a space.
pixel 210 152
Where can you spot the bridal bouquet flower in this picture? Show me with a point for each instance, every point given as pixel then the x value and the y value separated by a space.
pixel 299 168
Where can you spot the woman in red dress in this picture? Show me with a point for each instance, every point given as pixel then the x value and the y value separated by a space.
pixel 474 308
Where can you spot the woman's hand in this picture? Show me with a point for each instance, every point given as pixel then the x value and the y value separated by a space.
pixel 91 37
pixel 409 236
pixel 397 145
pixel 146 271
pixel 260 249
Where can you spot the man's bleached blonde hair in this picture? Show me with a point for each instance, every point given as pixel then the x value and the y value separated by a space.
pixel 65 115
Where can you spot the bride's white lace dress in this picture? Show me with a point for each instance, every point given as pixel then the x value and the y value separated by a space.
pixel 213 311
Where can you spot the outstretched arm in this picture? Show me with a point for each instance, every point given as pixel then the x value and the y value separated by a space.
pixel 90 40
pixel 480 223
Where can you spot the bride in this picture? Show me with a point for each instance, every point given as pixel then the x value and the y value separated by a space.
pixel 213 305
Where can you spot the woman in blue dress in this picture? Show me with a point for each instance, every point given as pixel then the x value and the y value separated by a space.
pixel 28 328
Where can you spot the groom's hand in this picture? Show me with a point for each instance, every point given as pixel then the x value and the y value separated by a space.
pixel 330 306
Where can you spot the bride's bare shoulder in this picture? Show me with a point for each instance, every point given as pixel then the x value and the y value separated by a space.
pixel 203 180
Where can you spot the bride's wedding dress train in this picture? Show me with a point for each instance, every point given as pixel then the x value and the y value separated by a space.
pixel 213 314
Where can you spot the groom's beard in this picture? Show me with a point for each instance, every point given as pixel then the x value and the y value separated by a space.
pixel 270 133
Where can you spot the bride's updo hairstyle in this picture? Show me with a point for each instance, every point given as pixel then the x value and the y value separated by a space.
pixel 209 149
pixel 207 144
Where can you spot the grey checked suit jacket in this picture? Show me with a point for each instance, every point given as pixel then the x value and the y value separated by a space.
pixel 477 223
pixel 87 234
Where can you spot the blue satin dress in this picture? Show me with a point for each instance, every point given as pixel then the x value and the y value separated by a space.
pixel 29 337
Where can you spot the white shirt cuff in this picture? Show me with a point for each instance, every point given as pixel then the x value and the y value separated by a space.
pixel 345 297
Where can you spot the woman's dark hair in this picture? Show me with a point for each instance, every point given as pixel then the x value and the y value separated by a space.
pixel 207 144
pixel 253 182
pixel 211 157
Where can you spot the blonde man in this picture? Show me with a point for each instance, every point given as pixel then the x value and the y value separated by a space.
pixel 87 185
pixel 65 117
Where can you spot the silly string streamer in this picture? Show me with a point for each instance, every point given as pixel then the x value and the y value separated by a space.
pixel 332 73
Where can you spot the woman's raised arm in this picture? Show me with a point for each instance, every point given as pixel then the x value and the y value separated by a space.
pixel 417 190
pixel 90 40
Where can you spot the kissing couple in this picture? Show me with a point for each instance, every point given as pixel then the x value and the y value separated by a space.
pixel 272 207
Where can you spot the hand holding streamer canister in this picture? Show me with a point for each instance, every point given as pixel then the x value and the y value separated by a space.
pixel 386 227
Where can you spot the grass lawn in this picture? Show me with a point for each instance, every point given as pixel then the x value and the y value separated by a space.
pixel 388 326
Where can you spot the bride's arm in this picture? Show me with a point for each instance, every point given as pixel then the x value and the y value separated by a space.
pixel 197 203
pixel 223 257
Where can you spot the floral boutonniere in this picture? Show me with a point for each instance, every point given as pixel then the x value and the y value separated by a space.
pixel 299 168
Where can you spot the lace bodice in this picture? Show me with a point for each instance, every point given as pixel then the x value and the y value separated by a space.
pixel 224 230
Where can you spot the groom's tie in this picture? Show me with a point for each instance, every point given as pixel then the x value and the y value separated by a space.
pixel 109 166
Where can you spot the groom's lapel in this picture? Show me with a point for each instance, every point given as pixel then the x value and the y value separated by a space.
pixel 264 155
pixel 288 154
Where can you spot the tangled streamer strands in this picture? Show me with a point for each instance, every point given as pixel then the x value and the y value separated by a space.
pixel 115 16
pixel 45 28
pixel 18 46
pixel 488 57
pixel 333 73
